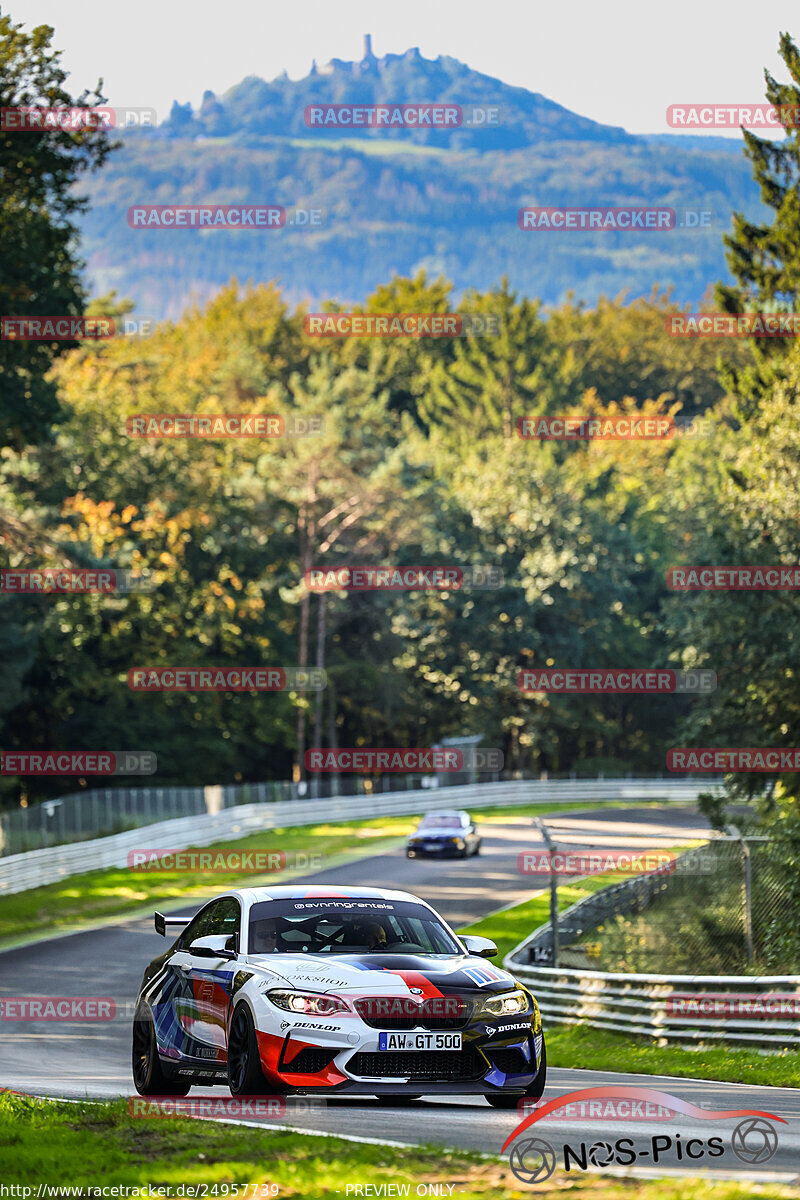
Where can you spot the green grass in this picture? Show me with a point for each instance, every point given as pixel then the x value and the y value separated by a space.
pixel 99 1144
pixel 594 1049
pixel 97 896
pixel 586 1047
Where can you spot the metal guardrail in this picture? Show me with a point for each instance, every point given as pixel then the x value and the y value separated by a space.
pixel 638 1003
pixel 101 811
pixel 35 868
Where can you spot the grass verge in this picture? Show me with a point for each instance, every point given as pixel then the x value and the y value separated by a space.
pixel 90 1145
pixel 604 1050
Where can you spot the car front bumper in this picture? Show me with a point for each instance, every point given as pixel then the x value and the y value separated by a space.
pixel 348 1060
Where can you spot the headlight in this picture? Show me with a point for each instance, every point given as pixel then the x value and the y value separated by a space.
pixel 308 1002
pixel 506 1004
pixel 458 842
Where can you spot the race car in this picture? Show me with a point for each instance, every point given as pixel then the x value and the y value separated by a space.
pixel 444 834
pixel 340 990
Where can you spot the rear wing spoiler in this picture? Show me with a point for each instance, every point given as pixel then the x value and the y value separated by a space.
pixel 162 923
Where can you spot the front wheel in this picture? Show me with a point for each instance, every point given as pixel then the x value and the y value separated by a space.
pixel 149 1078
pixel 245 1077
pixel 534 1090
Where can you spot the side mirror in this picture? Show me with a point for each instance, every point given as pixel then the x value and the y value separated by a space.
pixel 214 945
pixel 480 946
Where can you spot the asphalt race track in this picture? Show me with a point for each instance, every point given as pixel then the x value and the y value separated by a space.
pixel 80 1059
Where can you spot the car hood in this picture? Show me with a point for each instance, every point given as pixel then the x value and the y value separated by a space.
pixel 388 974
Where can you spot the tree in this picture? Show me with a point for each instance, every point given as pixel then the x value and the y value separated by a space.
pixel 39 268
pixel 623 349
pixel 735 500
pixel 765 258
pixel 495 378
pixel 346 489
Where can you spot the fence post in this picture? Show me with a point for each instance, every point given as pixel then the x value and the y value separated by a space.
pixel 748 893
pixel 551 846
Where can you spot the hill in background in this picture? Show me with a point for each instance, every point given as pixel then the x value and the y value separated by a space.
pixel 401 200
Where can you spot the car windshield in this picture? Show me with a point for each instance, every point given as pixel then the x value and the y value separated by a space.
pixel 442 821
pixel 347 926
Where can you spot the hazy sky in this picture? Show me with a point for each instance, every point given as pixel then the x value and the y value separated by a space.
pixel 621 62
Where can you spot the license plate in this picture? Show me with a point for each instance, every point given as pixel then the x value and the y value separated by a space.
pixel 419 1041
pixel 433 845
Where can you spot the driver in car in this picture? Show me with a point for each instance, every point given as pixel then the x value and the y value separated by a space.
pixel 373 933
pixel 265 938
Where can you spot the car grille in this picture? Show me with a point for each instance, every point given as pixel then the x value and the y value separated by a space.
pixel 309 1061
pixel 511 1061
pixel 433 1066
pixel 458 1020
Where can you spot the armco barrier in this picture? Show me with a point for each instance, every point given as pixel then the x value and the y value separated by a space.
pixel 35 868
pixel 637 1003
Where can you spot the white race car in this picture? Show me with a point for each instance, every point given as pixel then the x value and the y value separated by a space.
pixel 346 990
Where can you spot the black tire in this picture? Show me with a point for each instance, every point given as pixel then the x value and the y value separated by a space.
pixel 245 1077
pixel 397 1100
pixel 149 1077
pixel 534 1091
pixel 477 850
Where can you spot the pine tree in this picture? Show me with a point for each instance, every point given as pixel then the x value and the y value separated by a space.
pixel 765 258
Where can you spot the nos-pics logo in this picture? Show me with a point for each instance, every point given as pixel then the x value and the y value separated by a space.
pixel 533 1159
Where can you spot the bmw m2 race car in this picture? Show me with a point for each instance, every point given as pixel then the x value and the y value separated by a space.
pixel 345 990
